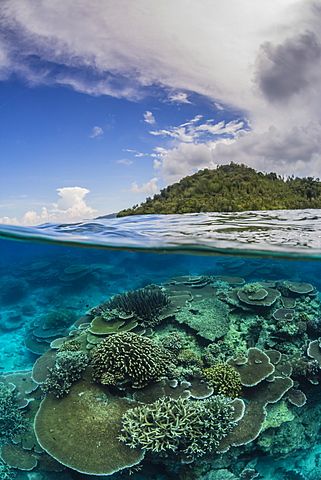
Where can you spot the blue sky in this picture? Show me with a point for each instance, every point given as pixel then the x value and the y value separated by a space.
pixel 54 137
pixel 97 114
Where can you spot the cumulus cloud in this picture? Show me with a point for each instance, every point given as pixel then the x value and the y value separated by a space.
pixel 294 150
pixel 96 132
pixel 149 188
pixel 149 117
pixel 263 59
pixel 71 206
pixel 289 68
pixel 146 54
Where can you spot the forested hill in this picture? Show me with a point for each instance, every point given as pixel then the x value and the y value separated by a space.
pixel 230 188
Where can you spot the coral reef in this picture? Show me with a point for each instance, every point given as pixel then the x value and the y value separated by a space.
pixel 11 418
pixel 6 473
pixel 48 327
pixel 209 368
pixel 224 379
pixel 12 290
pixel 131 358
pixel 145 305
pixel 68 368
pixel 182 427
pixel 80 430
pixel 208 317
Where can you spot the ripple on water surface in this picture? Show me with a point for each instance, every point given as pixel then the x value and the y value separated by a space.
pixel 281 232
pixel 221 351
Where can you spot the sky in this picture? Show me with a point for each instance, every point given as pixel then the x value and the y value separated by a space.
pixel 103 103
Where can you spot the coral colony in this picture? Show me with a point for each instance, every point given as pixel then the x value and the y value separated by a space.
pixel 193 374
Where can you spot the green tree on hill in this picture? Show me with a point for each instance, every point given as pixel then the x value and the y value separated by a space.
pixel 232 188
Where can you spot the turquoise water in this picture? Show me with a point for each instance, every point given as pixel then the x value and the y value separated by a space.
pixel 241 291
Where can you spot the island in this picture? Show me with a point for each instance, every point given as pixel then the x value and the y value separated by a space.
pixel 232 188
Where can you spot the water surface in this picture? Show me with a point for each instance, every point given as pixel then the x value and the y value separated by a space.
pixel 238 285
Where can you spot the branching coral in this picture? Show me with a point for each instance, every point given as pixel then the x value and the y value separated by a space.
pixel 68 368
pixel 70 346
pixel 6 473
pixel 190 428
pixel 224 379
pixel 11 419
pixel 145 304
pixel 128 357
pixel 173 342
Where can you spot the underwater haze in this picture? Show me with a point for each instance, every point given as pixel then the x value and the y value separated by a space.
pixel 182 347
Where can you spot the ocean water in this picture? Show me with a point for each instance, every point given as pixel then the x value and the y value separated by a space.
pixel 162 347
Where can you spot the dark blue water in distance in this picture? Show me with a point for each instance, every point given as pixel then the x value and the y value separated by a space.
pixel 242 321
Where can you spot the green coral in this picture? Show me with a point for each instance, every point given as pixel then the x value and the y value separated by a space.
pixel 11 419
pixel 208 317
pixel 224 379
pixel 173 342
pixel 130 358
pixel 189 357
pixel 191 428
pixel 68 368
pixel 277 413
pixel 235 339
pixel 70 346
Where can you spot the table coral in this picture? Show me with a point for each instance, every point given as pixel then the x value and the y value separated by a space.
pixel 208 317
pixel 80 430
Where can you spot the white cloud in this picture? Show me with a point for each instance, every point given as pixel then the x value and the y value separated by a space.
pixel 96 132
pixel 124 161
pixel 195 132
pixel 71 206
pixel 291 150
pixel 148 188
pixel 149 117
pixel 264 59
pixel 212 63
pixel 136 153
pixel 218 106
pixel 178 97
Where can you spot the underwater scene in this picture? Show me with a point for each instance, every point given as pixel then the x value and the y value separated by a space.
pixel 160 363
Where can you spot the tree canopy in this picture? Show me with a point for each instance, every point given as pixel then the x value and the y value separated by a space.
pixel 232 188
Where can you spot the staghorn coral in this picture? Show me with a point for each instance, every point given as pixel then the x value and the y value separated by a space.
pixel 128 357
pixel 68 368
pixel 224 379
pixel 190 428
pixel 11 419
pixel 144 304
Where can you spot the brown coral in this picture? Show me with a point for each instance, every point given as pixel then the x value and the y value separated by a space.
pixel 224 379
pixel 128 357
